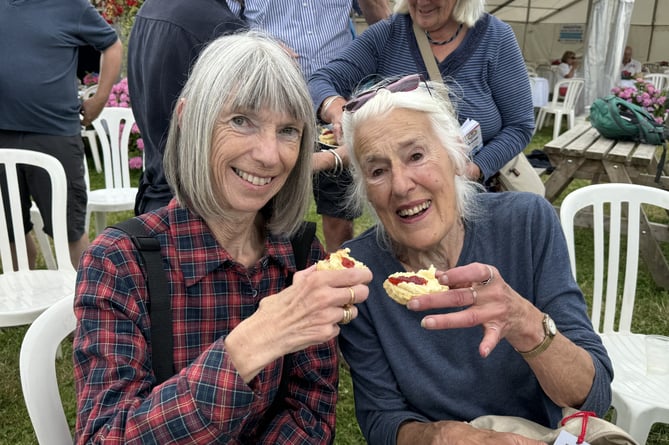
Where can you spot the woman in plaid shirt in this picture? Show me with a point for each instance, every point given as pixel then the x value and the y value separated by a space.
pixel 254 358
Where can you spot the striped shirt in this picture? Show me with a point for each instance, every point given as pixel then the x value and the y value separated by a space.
pixel 486 74
pixel 290 401
pixel 316 30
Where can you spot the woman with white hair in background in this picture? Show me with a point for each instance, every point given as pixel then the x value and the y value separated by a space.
pixel 477 55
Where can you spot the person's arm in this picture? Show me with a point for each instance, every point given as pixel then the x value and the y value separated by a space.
pixel 374 10
pixel 574 370
pixel 332 85
pixel 110 67
pixel 512 96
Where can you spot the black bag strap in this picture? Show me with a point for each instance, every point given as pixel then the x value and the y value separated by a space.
pixel 301 243
pixel 160 308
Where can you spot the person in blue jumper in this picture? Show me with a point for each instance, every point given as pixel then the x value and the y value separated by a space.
pixel 476 54
pixel 510 337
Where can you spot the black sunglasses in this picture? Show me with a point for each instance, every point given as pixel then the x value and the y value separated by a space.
pixel 407 83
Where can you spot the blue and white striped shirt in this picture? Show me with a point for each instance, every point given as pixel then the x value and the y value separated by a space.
pixel 486 74
pixel 316 30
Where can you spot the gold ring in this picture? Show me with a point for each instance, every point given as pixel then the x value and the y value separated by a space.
pixel 490 278
pixel 352 300
pixel 348 315
pixel 475 295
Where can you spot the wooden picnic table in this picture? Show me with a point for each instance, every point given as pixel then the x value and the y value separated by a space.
pixel 582 153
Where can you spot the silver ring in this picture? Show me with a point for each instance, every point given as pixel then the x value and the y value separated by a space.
pixel 348 315
pixel 475 295
pixel 490 278
pixel 352 300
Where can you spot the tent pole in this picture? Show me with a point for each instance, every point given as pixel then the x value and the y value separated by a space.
pixel 652 30
pixel 527 23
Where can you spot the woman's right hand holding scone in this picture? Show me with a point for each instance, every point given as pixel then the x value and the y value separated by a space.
pixel 307 313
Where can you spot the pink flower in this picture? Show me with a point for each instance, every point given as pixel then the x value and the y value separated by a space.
pixel 135 163
pixel 140 144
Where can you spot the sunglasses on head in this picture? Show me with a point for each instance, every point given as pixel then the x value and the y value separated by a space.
pixel 407 83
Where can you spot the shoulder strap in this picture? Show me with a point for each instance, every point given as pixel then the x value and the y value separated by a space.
pixel 160 310
pixel 301 243
pixel 426 53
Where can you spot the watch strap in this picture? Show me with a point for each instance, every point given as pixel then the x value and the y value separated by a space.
pixel 541 347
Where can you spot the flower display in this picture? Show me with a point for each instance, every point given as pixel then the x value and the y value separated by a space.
pixel 645 95
pixel 91 79
pixel 113 10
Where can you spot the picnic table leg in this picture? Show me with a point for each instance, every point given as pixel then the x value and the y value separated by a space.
pixel 649 248
pixel 561 177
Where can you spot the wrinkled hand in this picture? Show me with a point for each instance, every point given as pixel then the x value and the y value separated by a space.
pixel 304 314
pixel 473 171
pixel 457 433
pixel 494 305
pixel 308 312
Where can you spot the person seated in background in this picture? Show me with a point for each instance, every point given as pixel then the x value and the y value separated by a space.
pixel 510 337
pixel 255 360
pixel 629 66
pixel 568 65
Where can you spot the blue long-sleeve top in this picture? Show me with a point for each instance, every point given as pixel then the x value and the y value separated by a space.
pixel 486 73
pixel 402 372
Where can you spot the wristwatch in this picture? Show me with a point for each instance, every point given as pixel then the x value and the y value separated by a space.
pixel 549 332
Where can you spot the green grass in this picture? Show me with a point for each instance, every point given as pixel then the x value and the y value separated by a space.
pixel 651 316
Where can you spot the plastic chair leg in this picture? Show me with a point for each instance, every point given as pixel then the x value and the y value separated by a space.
pixel 42 238
pixel 540 120
pixel 100 222
pixel 93 144
pixel 557 124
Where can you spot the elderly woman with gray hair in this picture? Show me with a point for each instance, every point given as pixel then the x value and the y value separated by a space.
pixel 476 54
pixel 510 337
pixel 254 357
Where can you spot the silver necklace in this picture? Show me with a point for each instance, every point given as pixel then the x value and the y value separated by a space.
pixel 443 42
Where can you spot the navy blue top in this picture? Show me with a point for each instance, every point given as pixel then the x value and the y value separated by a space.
pixel 39 44
pixel 401 371
pixel 486 74
pixel 166 39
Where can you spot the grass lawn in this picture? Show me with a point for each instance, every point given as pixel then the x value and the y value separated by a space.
pixel 651 316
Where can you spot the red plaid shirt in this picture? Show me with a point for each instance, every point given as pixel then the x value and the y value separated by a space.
pixel 206 401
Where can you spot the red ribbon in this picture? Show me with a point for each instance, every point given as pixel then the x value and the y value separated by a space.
pixel 584 415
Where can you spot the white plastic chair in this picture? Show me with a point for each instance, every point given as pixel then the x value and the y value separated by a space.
pixel 659 80
pixel 90 135
pixel 113 127
pixel 640 400
pixel 38 372
pixel 561 107
pixel 26 293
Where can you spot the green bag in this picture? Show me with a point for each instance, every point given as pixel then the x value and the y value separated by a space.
pixel 615 118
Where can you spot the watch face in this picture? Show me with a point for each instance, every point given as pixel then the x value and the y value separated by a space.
pixel 550 324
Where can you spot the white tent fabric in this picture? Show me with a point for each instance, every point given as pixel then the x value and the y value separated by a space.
pixel 537 24
pixel 596 30
pixel 607 34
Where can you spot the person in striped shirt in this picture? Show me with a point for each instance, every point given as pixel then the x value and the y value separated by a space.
pixel 478 57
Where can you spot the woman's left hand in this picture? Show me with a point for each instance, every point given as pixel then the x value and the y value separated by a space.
pixel 489 301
